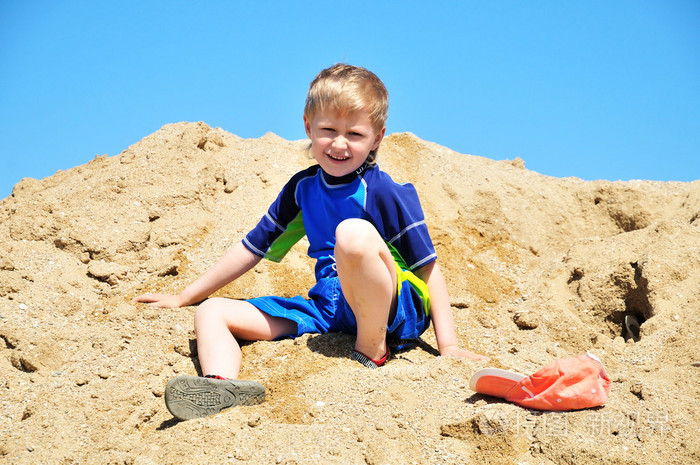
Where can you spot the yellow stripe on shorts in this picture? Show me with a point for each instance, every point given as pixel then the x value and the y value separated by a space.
pixel 419 285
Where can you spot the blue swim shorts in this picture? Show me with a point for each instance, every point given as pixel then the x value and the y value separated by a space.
pixel 326 310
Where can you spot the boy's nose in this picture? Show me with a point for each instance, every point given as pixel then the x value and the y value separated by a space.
pixel 339 143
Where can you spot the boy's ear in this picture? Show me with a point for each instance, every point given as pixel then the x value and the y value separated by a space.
pixel 378 139
pixel 307 126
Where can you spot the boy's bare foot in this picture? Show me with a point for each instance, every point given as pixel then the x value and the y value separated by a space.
pixel 189 397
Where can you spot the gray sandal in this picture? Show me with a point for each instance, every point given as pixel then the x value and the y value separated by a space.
pixel 189 397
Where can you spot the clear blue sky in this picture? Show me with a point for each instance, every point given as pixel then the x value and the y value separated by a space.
pixel 593 89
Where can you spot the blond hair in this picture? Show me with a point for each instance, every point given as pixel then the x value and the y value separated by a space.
pixel 346 89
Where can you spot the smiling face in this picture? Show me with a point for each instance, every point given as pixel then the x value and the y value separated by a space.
pixel 341 143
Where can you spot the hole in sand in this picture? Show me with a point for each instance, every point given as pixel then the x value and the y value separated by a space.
pixel 638 309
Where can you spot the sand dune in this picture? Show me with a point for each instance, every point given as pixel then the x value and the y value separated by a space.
pixel 537 267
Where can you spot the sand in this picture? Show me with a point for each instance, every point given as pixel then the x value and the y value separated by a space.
pixel 538 268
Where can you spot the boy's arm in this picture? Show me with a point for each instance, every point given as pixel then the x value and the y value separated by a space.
pixel 233 264
pixel 441 313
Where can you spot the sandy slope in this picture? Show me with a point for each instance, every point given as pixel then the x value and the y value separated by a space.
pixel 538 268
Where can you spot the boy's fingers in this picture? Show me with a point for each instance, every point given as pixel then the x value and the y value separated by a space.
pixel 145 298
pixel 157 300
pixel 474 356
pixel 467 354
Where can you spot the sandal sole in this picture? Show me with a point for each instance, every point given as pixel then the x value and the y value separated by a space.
pixel 189 397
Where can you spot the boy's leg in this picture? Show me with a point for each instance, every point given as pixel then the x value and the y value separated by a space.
pixel 219 322
pixel 367 276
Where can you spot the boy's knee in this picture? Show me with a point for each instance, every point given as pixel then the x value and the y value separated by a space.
pixel 355 236
pixel 205 311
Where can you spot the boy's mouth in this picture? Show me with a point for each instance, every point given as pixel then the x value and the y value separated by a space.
pixel 338 157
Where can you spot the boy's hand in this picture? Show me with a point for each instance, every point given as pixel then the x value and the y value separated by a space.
pixel 455 351
pixel 160 300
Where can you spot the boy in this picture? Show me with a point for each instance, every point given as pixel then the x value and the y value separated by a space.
pixel 376 271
